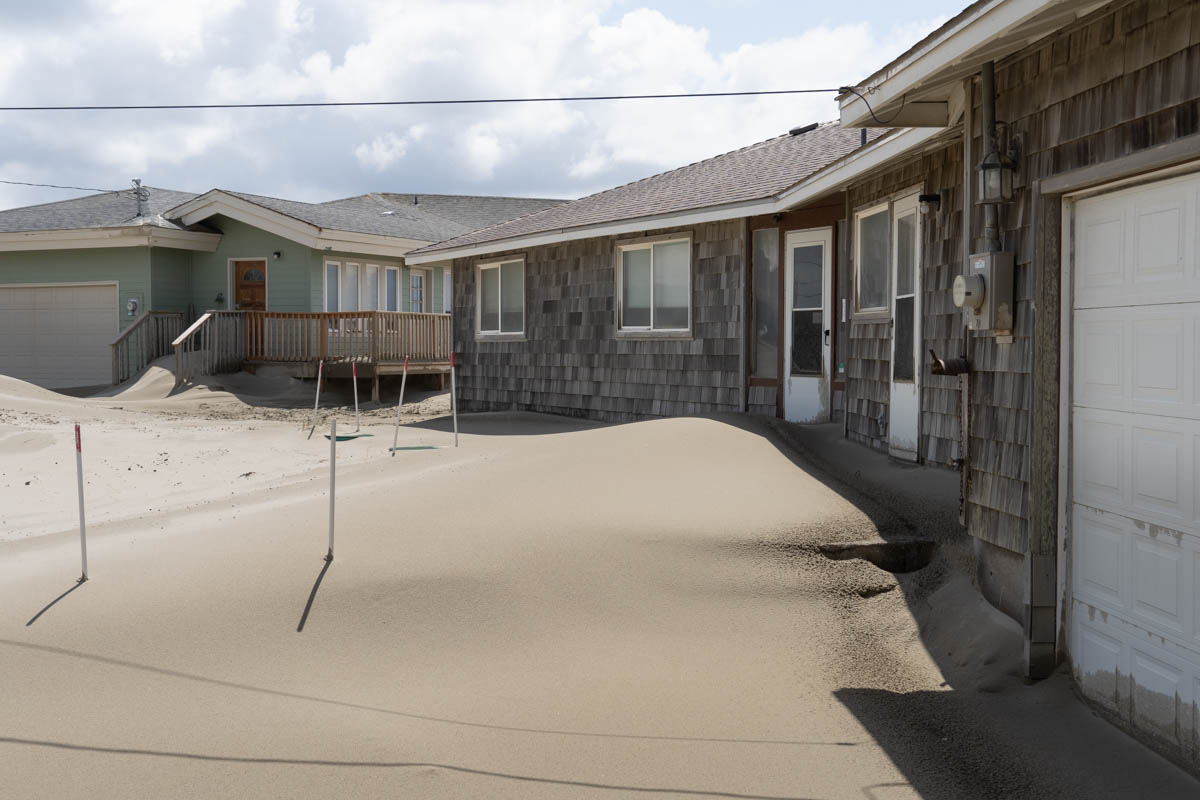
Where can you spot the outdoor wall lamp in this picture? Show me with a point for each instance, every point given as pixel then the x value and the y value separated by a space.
pixel 930 203
pixel 277 254
pixel 219 299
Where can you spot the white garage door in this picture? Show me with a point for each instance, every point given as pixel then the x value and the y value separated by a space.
pixel 1134 606
pixel 58 336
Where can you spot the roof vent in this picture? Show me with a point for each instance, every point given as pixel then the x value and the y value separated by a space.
pixel 142 194
pixel 803 129
pixel 414 199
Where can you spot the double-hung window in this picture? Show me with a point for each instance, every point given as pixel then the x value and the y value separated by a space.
pixel 654 286
pixel 501 303
pixel 354 287
pixel 391 288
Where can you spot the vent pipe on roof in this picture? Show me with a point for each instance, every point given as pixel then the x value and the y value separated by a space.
pixel 414 199
pixel 862 137
pixel 141 194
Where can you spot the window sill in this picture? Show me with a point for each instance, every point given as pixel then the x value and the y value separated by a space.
pixel 882 315
pixel 500 337
pixel 679 336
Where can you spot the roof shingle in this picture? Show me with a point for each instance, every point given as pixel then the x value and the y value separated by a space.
pixel 756 172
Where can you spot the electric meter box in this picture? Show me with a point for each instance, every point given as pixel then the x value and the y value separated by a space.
pixel 985 292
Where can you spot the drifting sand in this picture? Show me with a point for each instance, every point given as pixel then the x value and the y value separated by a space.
pixel 554 609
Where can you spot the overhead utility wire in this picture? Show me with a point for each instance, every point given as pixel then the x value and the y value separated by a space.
pixel 472 101
pixel 58 186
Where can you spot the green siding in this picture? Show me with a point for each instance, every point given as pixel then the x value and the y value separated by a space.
pixel 289 278
pixel 129 266
pixel 170 277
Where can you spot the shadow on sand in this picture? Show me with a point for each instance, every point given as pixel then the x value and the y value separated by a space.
pixel 313 595
pixel 51 604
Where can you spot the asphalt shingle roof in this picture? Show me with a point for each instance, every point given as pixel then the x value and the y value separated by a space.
pixel 432 218
pixel 107 210
pixel 755 172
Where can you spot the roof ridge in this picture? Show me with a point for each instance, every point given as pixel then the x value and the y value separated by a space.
pixel 481 196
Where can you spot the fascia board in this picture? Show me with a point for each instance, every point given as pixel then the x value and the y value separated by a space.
pixel 954 45
pixel 128 236
pixel 698 217
pixel 366 243
pixel 260 217
pixel 185 240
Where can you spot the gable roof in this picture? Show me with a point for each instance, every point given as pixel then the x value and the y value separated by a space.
pixel 431 218
pixel 757 172
pixel 106 210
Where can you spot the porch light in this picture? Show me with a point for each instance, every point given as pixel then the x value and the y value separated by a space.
pixel 995 179
pixel 219 299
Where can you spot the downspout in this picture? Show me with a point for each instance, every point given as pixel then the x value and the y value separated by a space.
pixel 964 380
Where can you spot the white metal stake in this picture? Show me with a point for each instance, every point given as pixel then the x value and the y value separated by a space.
pixel 396 430
pixel 332 480
pixel 317 402
pixel 453 400
pixel 354 378
pixel 82 523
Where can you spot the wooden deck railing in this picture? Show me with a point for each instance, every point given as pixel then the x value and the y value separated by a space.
pixel 347 336
pixel 221 340
pixel 147 338
pixel 214 343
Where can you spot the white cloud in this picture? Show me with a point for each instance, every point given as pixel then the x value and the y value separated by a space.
pixel 382 151
pixel 127 51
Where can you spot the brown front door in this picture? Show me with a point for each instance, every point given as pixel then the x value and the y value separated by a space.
pixel 250 285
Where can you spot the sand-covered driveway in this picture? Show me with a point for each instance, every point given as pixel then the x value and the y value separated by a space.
pixel 551 610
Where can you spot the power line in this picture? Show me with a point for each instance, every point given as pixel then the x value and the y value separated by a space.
pixel 360 103
pixel 57 186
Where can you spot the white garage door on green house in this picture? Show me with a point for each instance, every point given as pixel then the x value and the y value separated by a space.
pixel 57 335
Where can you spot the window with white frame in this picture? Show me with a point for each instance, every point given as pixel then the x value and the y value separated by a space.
pixel 416 290
pixel 367 287
pixel 447 291
pixel 501 304
pixel 871 262
pixel 333 283
pixel 654 286
pixel 370 288
pixel 391 288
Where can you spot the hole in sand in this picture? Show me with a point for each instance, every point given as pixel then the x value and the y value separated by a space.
pixel 898 555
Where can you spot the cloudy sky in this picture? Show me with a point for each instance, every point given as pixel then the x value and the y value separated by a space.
pixel 153 51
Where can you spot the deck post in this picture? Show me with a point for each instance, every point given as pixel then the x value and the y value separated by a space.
pixel 375 386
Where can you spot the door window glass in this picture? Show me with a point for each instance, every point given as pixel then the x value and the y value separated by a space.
pixel 808 317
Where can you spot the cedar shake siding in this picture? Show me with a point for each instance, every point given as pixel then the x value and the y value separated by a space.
pixel 1121 80
pixel 571 360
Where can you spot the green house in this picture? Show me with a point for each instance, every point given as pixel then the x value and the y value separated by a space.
pixel 93 288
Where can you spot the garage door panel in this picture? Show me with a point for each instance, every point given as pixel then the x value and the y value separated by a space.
pixel 1161 472
pixel 1158 687
pixel 58 336
pixel 1098 663
pixel 1159 581
pixel 1138 246
pixel 1100 555
pixel 1100 380
pixel 1101 466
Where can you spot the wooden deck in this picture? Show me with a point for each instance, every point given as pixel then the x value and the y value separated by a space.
pixel 369 343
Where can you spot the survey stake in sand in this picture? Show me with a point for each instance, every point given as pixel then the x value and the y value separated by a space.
pixel 82 523
pixel 317 401
pixel 332 480
pixel 399 404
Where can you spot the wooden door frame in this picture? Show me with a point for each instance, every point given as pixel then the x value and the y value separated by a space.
pixel 231 280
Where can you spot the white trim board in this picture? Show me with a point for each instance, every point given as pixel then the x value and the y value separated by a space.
pixel 216 202
pixel 120 236
pixel 832 178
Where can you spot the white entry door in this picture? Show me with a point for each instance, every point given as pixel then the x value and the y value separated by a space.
pixel 808 258
pixel 1134 623
pixel 904 398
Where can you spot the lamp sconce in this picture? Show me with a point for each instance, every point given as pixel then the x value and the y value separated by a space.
pixel 277 254
pixel 997 169
pixel 930 203
pixel 219 299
